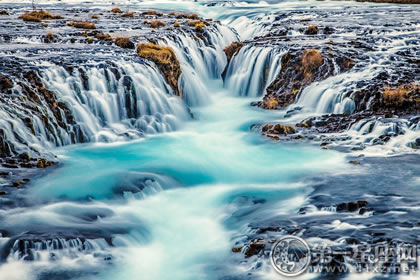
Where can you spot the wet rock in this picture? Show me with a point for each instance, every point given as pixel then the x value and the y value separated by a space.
pixel 5 83
pixel 7 165
pixel 232 50
pixel 352 206
pixel 166 61
pixel 124 42
pixel 236 249
pixel 43 163
pixel 253 249
pixel 311 30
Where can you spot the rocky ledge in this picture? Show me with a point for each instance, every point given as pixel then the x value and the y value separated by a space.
pixel 346 73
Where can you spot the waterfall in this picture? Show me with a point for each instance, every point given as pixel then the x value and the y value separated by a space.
pixel 115 101
pixel 332 94
pixel 201 61
pixel 251 71
pixel 112 103
pixel 57 249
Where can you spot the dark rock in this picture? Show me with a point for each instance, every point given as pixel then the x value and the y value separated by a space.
pixel 254 249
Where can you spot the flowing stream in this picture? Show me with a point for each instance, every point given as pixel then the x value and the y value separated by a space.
pixel 172 202
pixel 192 181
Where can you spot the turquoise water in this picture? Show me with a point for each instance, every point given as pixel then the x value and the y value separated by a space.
pixel 194 201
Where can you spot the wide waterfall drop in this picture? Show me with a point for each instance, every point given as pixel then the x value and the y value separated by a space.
pixel 122 101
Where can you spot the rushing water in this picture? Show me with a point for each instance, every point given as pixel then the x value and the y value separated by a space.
pixel 192 181
pixel 172 204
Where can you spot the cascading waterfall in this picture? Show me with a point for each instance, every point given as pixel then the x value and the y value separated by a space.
pixel 120 100
pixel 119 103
pixel 252 70
pixel 200 61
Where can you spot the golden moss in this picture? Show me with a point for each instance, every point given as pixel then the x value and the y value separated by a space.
pixel 311 30
pixel 199 26
pixel 193 22
pixel 157 24
pixel 278 129
pixel 270 103
pixel 152 13
pixel 38 16
pixel 232 50
pixel 161 55
pixel 128 14
pixel 49 37
pixel 311 60
pixel 95 16
pixel 124 42
pixel 184 15
pixel 176 24
pixel 4 13
pixel 116 10
pixel 396 97
pixel 171 14
pixel 194 16
pixel 89 40
pixel 165 59
pixel 82 24
pixel 103 36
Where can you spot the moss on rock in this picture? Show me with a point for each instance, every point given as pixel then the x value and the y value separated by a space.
pixel 165 60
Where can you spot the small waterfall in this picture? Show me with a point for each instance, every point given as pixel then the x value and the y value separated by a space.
pixel 57 249
pixel 202 61
pixel 332 95
pixel 252 70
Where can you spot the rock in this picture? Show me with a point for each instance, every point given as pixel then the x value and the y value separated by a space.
pixel 352 206
pixel 328 30
pixel 26 165
pixel 362 211
pixel 24 156
pixel 362 203
pixel 354 162
pixel 5 83
pixel 18 184
pixel 311 30
pixel 7 165
pixel 124 42
pixel 278 129
pixel 254 249
pixel 165 60
pixel 341 207
pixel 236 249
pixel 43 163
pixel 232 50
pixel 3 193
